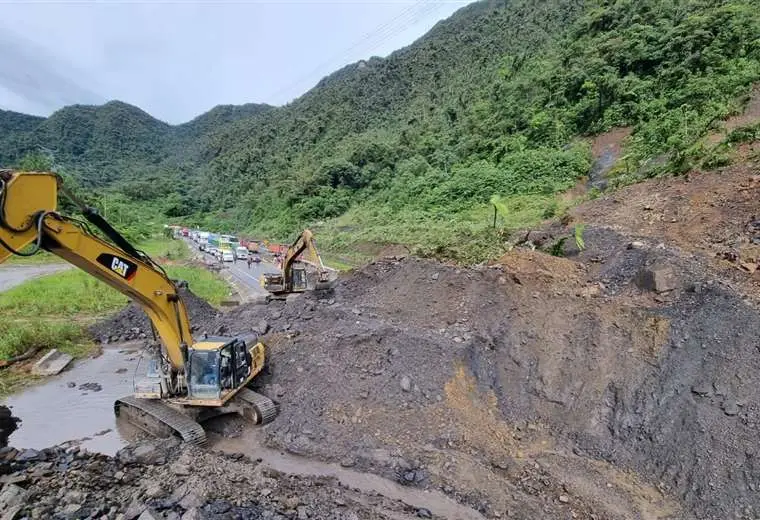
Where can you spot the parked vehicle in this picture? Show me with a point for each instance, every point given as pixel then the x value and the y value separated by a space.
pixel 241 253
pixel 228 256
pixel 256 258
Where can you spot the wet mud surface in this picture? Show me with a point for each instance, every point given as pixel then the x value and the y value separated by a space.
pixel 76 406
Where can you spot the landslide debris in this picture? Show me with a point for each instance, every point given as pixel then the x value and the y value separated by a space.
pixel 563 372
pixel 131 323
pixel 162 480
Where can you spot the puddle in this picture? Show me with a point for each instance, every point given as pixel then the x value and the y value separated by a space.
pixel 53 413
pixel 250 443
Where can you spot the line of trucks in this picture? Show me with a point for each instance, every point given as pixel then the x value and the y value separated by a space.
pixel 226 248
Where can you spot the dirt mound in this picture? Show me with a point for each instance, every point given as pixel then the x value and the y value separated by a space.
pixel 161 480
pixel 132 323
pixel 543 376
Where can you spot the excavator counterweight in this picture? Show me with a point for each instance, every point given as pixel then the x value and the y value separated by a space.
pixel 187 381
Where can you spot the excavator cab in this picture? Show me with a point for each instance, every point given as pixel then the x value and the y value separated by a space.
pixel 217 366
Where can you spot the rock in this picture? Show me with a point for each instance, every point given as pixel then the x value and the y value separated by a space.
pixel 730 407
pixel 303 512
pixel 91 387
pixel 72 509
pixel 348 462
pixel 356 311
pixel 51 363
pixel 657 278
pixel 181 470
pixel 218 507
pixel 434 276
pixel 119 475
pixel 71 384
pixel 192 514
pixel 564 499
pixel 424 513
pixel 266 492
pixel 406 384
pixel 134 509
pixel 27 456
pixel 11 496
pixel 121 370
pixel 636 245
pixel 349 515
pixel 148 515
pixel 291 502
pixel 153 489
pixel 191 500
pixel 703 389
pixel 262 327
pixel 74 497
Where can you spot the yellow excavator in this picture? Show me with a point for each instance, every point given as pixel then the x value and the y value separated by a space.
pixel 292 278
pixel 187 382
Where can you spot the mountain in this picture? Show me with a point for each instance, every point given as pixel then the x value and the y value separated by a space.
pixel 501 99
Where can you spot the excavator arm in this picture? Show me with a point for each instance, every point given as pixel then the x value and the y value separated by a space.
pixel 29 217
pixel 287 281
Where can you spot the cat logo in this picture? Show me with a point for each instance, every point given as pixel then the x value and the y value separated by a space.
pixel 118 265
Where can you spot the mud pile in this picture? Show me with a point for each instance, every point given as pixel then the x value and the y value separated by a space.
pixel 622 402
pixel 162 480
pixel 132 323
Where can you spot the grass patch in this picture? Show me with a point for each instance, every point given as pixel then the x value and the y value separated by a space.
pixel 17 337
pixel 203 283
pixel 64 294
pixel 466 236
pixel 165 249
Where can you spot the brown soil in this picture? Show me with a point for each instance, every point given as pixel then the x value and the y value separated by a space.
pixel 749 116
pixel 543 387
pixel 713 215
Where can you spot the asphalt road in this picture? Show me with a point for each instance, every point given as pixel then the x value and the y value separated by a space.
pixel 243 278
pixel 11 276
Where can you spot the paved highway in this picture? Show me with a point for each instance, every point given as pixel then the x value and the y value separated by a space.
pixel 243 278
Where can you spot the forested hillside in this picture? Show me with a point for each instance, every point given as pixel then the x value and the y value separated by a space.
pixel 498 100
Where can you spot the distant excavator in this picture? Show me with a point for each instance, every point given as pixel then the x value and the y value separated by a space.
pixel 187 382
pixel 293 277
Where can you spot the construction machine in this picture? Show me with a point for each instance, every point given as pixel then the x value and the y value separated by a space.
pixel 292 278
pixel 187 381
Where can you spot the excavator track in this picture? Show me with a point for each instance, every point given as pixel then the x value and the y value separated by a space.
pixel 266 409
pixel 140 410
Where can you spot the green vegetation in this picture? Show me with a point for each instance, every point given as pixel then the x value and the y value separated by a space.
pixel 203 283
pixel 19 337
pixel 66 294
pixel 497 100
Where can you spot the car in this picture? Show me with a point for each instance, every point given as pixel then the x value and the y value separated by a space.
pixel 241 253
pixel 228 256
pixel 256 258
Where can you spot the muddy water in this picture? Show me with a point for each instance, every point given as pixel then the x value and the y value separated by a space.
pixel 251 444
pixel 53 413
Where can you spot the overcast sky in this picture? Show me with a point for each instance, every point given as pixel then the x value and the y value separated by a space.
pixel 177 59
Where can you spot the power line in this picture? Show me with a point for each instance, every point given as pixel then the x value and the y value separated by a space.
pixel 381 34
